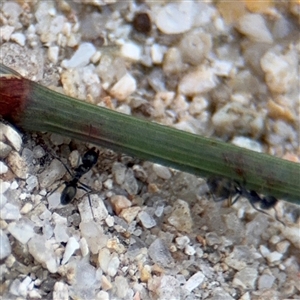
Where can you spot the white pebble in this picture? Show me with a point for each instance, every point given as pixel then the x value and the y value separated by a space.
pixel 5 248
pixel 182 241
pixel 124 87
pixel 53 54
pixel 11 135
pixel 22 230
pixel 175 18
pixel 274 257
pixel 71 247
pixel 157 53
pixel 10 212
pixel 4 185
pixel 3 168
pixel 5 32
pixel 247 143
pixel 131 51
pixel 81 57
pixel 84 247
pixel 194 281
pixel 146 220
pixel 254 27
pixel 113 266
pixel 196 82
pixel 19 38
pixel 161 171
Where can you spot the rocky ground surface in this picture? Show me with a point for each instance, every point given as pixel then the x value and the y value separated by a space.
pixel 228 70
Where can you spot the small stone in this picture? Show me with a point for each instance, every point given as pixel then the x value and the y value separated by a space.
pixel 3 168
pixel 113 265
pixel 282 246
pixel 180 217
pixel 124 87
pixel 194 281
pixel 42 253
pixel 130 183
pixel 10 212
pixel 245 278
pixel 105 284
pixel 17 164
pixel 122 286
pixel 53 53
pixel 142 22
pixel 280 70
pixel 212 239
pixel 118 171
pixel 131 51
pixel 247 143
pixel 60 291
pixel 119 202
pixel 157 53
pixel 11 135
pixel 194 47
pixel 254 27
pixel 84 247
pixel 81 57
pixel 159 253
pixel 145 273
pixel 182 241
pixel 264 250
pixel 189 250
pixel 19 38
pixel 161 171
pixel 71 247
pixel 54 172
pixel 103 259
pixel 197 82
pixel 175 17
pixel 265 281
pixel 146 220
pixel 22 230
pixel 274 257
pixel 5 248
pixel 130 213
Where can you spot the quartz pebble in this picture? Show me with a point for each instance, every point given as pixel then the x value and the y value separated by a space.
pixel 11 135
pixel 21 230
pixel 5 247
pixel 119 202
pixel 162 172
pixel 246 278
pixel 146 219
pixel 254 27
pixel 43 253
pixel 17 164
pixel 159 253
pixel 55 171
pixel 81 57
pixel 175 17
pixel 3 168
pixel 71 247
pixel 124 87
pixel 194 281
pixel 197 82
pixel 180 217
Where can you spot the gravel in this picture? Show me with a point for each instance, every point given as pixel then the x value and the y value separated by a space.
pixel 145 231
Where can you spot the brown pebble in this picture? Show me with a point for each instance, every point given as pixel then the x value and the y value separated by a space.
pixel 142 22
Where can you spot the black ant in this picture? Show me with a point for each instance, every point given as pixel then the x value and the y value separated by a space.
pixel 227 189
pixel 89 159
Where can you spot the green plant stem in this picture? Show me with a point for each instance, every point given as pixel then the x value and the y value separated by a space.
pixel 37 108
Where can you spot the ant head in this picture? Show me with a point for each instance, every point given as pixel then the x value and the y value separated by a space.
pixel 90 157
